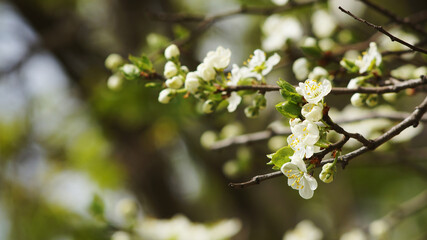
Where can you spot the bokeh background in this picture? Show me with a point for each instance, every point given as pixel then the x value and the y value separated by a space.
pixel 66 139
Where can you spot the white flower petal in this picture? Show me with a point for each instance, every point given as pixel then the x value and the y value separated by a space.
pixel 233 101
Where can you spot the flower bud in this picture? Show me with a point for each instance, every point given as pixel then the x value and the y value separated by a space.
pixel 115 82
pixel 170 69
pixel 205 71
pixel 120 235
pixel 327 174
pixel 130 71
pixel 312 112
pixel 251 112
pixel 166 95
pixel 300 68
pixel 208 106
pixel 175 82
pixel 192 82
pixel 372 100
pixel 358 99
pixel 390 97
pixel 127 208
pixel 184 69
pixel 113 61
pixel 171 51
pixel 379 229
pixel 317 73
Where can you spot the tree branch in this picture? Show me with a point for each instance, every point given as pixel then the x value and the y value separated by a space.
pixel 394 17
pixel 339 90
pixel 412 120
pixel 382 30
pixel 256 180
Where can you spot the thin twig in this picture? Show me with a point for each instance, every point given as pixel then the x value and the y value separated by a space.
pixel 256 180
pixel 382 30
pixel 394 17
pixel 332 147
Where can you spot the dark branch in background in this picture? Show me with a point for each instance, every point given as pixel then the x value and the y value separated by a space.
pixel 339 90
pixel 394 17
pixel 412 120
pixel 256 180
pixel 382 30
pixel 266 134
pixel 400 52
pixel 185 17
pixel 206 22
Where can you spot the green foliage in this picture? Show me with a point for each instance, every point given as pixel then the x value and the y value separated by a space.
pixel 288 91
pixel 97 207
pixel 143 63
pixel 280 157
pixel 289 109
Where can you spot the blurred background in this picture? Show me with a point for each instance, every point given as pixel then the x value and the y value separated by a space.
pixel 73 153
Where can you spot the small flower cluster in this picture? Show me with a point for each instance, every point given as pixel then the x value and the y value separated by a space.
pixel 369 64
pixel 209 77
pixel 306 133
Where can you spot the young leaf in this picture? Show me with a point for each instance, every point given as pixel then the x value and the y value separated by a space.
pixel 281 157
pixel 143 63
pixel 289 109
pixel 288 91
pixel 97 207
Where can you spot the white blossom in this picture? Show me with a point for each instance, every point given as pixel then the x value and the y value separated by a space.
pixel 115 82
pixel 170 69
pixel 300 68
pixel 356 82
pixel 298 178
pixel 218 59
pixel 261 65
pixel 171 51
pixel 206 71
pixel 240 73
pixel 370 59
pixel 305 230
pixel 314 90
pixel 175 82
pixel 323 24
pixel 312 112
pixel 233 101
pixel 278 29
pixel 280 2
pixel 304 136
pixel 166 95
pixel 192 82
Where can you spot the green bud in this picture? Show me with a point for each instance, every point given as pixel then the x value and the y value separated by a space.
pixel 372 100
pixel 252 112
pixel 328 171
pixel 208 106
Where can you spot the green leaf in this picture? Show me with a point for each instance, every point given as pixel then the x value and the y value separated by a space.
pixel 288 91
pixel 289 109
pixel 260 101
pixel 97 207
pixel 143 63
pixel 281 157
pixel 349 65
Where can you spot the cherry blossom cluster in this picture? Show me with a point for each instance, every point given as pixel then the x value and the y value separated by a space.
pixel 206 82
pixel 306 133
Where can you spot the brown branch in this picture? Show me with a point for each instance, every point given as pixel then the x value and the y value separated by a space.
pixel 335 146
pixel 394 17
pixel 337 128
pixel 412 120
pixel 256 180
pixel 339 90
pixel 382 30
